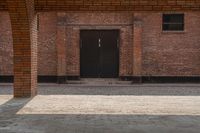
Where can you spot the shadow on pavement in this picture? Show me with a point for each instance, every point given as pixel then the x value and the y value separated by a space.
pixel 156 89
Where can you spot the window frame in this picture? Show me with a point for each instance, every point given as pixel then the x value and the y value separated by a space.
pixel 182 24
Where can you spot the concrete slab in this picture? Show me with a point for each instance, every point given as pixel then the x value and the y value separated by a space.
pixel 90 109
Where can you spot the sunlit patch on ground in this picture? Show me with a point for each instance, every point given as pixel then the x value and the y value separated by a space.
pixel 5 98
pixel 116 105
pixel 102 109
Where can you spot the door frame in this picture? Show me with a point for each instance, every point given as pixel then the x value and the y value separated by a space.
pixel 101 29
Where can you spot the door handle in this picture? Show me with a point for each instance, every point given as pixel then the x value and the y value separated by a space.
pixel 117 43
pixel 99 42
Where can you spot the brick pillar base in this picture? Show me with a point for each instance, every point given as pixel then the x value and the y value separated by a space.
pixel 24 32
pixel 137 50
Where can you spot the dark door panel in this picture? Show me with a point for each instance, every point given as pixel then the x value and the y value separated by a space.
pixel 89 53
pixel 99 53
pixel 109 59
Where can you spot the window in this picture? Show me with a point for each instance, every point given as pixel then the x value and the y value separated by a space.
pixel 173 22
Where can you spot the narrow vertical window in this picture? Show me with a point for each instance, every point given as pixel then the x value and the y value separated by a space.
pixel 173 22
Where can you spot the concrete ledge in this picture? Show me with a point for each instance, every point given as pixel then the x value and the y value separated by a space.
pixel 171 79
pixel 61 79
pixel 47 79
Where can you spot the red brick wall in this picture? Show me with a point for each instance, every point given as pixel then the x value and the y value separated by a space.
pixel 171 53
pixel 117 5
pixel 112 5
pixel 126 49
pixel 162 53
pixel 3 5
pixel 72 51
pixel 76 21
pixel 6 46
pixel 61 47
pixel 47 52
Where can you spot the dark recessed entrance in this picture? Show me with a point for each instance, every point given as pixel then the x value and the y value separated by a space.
pixel 99 53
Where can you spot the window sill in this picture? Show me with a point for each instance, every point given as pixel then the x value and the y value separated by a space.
pixel 173 32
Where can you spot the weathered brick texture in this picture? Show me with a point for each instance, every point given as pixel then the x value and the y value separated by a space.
pixel 6 45
pixel 61 47
pixel 74 22
pixel 170 53
pixel 137 47
pixel 126 50
pixel 24 32
pixel 3 5
pixel 47 50
pixel 163 53
pixel 117 5
pixel 113 5
pixel 72 51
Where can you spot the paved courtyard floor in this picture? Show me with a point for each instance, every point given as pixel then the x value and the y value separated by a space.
pixel 147 108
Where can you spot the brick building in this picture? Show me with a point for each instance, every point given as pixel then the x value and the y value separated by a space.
pixel 142 40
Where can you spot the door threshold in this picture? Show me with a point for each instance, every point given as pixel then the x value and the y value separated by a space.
pixel 100 81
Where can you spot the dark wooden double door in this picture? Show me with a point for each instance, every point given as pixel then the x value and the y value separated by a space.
pixel 99 53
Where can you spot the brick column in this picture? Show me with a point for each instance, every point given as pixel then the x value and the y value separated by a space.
pixel 24 32
pixel 137 51
pixel 61 49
